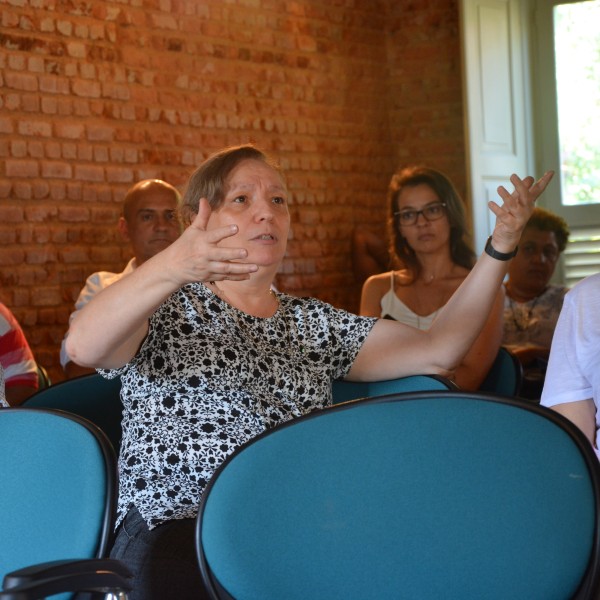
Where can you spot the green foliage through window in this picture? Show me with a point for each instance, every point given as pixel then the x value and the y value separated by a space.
pixel 577 50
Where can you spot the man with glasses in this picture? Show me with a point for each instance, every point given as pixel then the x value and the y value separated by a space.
pixel 532 304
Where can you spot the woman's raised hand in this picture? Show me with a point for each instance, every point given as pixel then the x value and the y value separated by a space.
pixel 514 213
pixel 197 255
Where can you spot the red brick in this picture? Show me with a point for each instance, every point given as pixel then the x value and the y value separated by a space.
pixel 344 92
pixel 49 296
pixel 40 213
pixel 21 81
pixel 21 168
pixel 87 89
pixel 70 214
pixel 6 125
pixel 74 255
pixel 89 173
pixel 100 133
pixel 49 106
pixel 119 175
pixel 40 256
pixel 41 189
pixel 11 256
pixel 57 170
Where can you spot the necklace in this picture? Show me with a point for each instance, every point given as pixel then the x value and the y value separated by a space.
pixel 524 320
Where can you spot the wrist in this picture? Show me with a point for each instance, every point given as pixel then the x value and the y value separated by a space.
pixel 497 253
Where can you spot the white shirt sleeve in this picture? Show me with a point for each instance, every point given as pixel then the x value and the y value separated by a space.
pixel 566 377
pixel 574 367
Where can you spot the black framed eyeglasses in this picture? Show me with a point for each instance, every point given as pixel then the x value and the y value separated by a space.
pixel 432 212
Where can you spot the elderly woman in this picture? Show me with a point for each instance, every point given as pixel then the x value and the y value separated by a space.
pixel 428 232
pixel 210 356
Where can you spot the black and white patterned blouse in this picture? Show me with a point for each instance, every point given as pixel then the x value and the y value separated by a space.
pixel 208 378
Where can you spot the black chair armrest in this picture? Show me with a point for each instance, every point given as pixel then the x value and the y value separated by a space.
pixel 94 575
pixel 58 568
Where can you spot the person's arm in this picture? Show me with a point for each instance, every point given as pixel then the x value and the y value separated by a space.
pixel 394 350
pixel 94 284
pixel 583 414
pixel 372 292
pixel 108 331
pixel 475 365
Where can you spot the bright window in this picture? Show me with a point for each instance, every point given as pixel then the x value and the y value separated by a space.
pixel 577 51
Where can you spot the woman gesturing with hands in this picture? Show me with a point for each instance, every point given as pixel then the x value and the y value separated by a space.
pixel 210 356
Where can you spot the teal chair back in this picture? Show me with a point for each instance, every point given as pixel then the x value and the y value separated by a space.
pixel 342 391
pixel 428 495
pixel 505 376
pixel 90 396
pixel 58 482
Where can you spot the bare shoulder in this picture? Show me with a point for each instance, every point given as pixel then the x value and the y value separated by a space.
pixel 379 281
pixel 403 277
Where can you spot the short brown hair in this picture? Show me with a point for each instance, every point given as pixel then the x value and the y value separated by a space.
pixel 544 220
pixel 208 180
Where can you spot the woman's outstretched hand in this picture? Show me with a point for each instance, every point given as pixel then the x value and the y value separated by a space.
pixel 514 213
pixel 197 255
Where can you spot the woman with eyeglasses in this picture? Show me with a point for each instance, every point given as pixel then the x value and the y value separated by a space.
pixel 532 303
pixel 429 246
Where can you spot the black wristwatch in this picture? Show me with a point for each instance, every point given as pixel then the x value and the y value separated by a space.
pixel 489 249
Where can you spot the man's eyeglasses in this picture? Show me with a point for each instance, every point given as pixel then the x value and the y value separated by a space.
pixel 431 212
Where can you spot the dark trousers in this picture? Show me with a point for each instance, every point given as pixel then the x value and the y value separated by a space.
pixel 163 559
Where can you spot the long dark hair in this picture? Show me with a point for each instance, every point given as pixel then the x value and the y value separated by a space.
pixel 461 251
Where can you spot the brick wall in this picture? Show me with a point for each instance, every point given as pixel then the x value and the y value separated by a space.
pixel 95 95
pixel 426 107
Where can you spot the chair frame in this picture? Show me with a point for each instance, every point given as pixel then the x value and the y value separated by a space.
pixel 590 584
pixel 488 385
pixel 69 396
pixel 79 574
pixel 342 390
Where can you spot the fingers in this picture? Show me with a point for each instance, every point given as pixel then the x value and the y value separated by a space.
pixel 200 222
pixel 201 219
pixel 526 188
pixel 231 271
pixel 522 186
pixel 540 185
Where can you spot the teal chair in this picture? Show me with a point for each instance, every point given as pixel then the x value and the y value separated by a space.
pixel 90 396
pixel 427 495
pixel 58 501
pixel 342 391
pixel 505 376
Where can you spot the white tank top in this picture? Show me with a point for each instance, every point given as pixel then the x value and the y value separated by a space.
pixel 393 308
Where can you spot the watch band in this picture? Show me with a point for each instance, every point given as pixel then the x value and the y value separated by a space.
pixel 489 249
